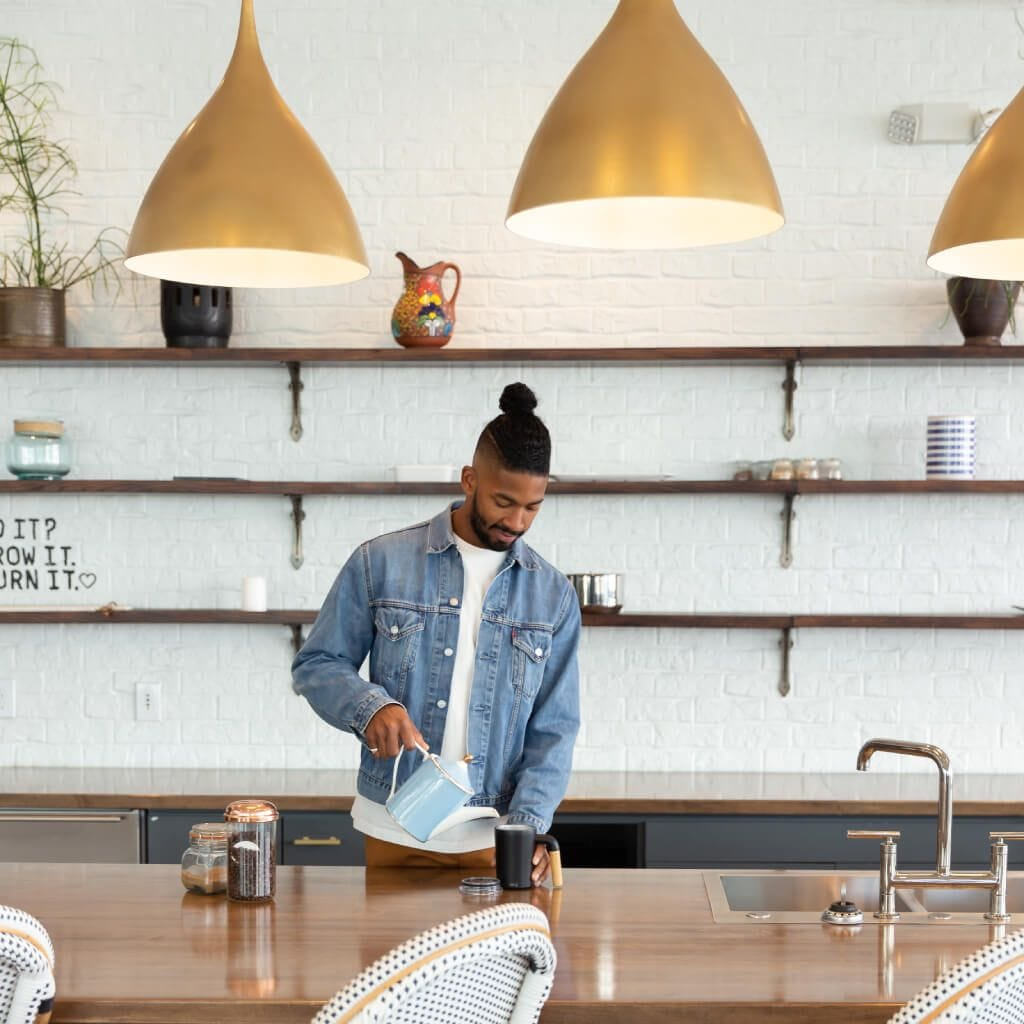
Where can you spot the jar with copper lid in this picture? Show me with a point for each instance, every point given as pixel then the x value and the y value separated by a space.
pixel 204 865
pixel 39 450
pixel 252 850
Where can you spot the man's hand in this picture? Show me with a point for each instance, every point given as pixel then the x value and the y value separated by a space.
pixel 391 730
pixel 541 864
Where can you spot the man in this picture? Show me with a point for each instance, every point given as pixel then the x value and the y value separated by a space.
pixel 472 640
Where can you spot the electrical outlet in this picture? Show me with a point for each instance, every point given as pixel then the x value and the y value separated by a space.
pixel 7 698
pixel 147 702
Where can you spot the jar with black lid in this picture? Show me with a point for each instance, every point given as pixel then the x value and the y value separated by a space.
pixel 252 850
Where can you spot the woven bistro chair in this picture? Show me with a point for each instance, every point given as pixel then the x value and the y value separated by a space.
pixel 26 969
pixel 492 967
pixel 986 987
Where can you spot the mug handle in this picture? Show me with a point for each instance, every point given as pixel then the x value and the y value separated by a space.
pixel 398 758
pixel 556 857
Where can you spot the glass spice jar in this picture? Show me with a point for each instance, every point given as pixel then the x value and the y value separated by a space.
pixel 807 469
pixel 204 865
pixel 252 850
pixel 38 450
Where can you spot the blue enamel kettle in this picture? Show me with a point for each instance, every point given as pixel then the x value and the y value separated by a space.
pixel 434 791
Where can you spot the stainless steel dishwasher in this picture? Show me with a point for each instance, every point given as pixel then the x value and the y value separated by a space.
pixel 70 836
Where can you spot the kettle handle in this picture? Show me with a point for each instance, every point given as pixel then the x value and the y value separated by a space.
pixel 445 267
pixel 398 758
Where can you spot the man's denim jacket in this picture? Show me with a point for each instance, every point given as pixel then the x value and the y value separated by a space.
pixel 398 599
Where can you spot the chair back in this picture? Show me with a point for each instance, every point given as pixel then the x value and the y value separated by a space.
pixel 495 966
pixel 26 969
pixel 986 987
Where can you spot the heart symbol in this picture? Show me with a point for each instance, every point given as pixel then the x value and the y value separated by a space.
pixel 87 579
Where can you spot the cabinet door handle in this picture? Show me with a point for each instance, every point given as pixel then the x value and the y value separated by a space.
pixel 313 841
pixel 79 819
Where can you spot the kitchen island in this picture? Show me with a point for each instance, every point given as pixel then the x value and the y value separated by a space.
pixel 134 948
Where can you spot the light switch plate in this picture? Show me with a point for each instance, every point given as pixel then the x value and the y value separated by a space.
pixel 147 702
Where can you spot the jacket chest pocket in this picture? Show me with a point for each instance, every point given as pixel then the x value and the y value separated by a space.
pixel 399 631
pixel 531 648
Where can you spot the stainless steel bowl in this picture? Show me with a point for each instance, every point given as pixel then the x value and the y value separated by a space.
pixel 598 591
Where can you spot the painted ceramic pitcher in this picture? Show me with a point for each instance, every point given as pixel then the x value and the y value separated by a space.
pixel 422 315
pixel 435 790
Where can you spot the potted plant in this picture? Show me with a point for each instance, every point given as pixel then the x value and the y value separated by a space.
pixel 36 173
pixel 982 308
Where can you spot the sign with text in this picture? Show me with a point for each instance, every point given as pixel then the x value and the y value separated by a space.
pixel 32 557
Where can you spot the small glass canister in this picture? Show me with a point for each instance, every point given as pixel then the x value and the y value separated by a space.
pixel 38 450
pixel 831 469
pixel 204 865
pixel 252 850
pixel 807 469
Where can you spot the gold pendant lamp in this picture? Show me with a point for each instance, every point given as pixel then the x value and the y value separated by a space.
pixel 245 198
pixel 980 232
pixel 645 146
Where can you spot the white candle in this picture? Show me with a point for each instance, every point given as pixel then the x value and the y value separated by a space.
pixel 254 594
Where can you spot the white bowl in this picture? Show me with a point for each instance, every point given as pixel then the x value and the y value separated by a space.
pixel 425 474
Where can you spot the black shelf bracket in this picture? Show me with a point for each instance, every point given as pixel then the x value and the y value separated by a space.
pixel 297 638
pixel 787 515
pixel 786 645
pixel 789 385
pixel 298 516
pixel 295 386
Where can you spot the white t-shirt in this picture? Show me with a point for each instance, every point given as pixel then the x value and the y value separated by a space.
pixel 479 568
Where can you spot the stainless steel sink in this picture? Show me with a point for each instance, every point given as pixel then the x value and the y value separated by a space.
pixel 799 897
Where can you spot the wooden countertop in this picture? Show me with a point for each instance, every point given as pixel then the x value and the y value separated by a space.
pixel 134 948
pixel 589 792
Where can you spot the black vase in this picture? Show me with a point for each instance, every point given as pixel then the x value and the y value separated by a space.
pixel 195 315
pixel 982 308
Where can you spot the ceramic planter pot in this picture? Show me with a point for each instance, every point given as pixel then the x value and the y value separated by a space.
pixel 32 317
pixel 981 308
pixel 194 315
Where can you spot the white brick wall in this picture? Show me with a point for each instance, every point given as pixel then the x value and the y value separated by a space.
pixel 425 114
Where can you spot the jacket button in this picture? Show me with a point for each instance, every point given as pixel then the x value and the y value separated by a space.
pixel 394 631
pixel 442 703
pixel 453 601
pixel 539 652
pixel 448 652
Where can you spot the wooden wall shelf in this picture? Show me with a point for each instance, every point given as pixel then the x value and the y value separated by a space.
pixel 253 356
pixel 295 619
pixel 293 359
pixel 218 485
pixel 298 490
pixel 646 620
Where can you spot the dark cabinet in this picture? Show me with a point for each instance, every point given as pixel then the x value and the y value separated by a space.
pixel 320 837
pixel 303 837
pixel 600 840
pixel 813 841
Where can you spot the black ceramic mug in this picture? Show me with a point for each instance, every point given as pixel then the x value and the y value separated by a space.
pixel 513 855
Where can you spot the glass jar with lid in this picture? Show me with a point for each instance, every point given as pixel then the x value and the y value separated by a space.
pixel 204 865
pixel 252 850
pixel 39 450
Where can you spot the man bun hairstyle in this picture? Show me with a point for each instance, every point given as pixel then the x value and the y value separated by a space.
pixel 517 437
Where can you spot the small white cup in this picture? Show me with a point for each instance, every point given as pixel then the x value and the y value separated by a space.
pixel 254 594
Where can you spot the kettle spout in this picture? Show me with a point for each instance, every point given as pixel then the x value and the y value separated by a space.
pixel 408 266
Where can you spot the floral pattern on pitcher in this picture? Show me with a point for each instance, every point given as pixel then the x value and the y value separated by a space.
pixel 423 316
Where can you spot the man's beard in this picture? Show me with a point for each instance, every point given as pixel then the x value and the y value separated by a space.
pixel 482 530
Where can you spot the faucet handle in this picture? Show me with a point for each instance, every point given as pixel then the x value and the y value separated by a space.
pixel 1002 836
pixel 889 837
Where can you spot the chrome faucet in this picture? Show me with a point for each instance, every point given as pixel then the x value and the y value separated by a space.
pixel 889 879
pixel 944 824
